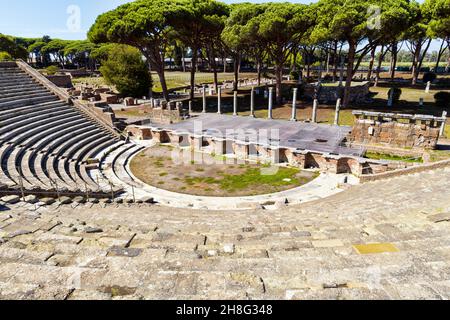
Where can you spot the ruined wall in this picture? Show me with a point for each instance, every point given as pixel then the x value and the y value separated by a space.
pixel 165 116
pixel 400 131
pixel 62 81
pixel 358 93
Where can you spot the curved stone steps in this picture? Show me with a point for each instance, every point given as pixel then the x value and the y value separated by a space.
pixel 8 132
pixel 58 147
pixel 6 180
pixel 9 164
pixel 30 95
pixel 14 113
pixel 28 101
pixel 29 107
pixel 72 165
pixel 120 163
pixel 5 84
pixel 83 158
pixel 12 76
pixel 98 174
pixel 56 162
pixel 60 161
pixel 18 88
pixel 17 93
pixel 15 120
pixel 19 138
pixel 16 157
pixel 107 165
pixel 34 157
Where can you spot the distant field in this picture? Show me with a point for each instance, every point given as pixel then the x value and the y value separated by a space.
pixel 99 81
pixel 407 64
pixel 181 79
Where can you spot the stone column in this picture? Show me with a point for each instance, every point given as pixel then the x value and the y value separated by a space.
pixel 252 102
pixel 314 113
pixel 294 106
pixel 427 89
pixel 219 100
pixel 204 99
pixel 235 103
pixel 269 115
pixel 338 109
pixel 442 131
pixel 391 98
pixel 190 106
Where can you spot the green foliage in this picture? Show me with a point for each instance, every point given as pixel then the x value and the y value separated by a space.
pixel 126 70
pixel 295 75
pixel 8 45
pixel 439 13
pixel 442 98
pixel 102 51
pixel 396 95
pixel 5 56
pixel 51 70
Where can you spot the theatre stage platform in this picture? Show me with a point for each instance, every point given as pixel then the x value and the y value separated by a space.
pixel 299 135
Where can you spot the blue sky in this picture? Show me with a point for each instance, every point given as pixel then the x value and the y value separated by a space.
pixel 35 18
pixel 56 18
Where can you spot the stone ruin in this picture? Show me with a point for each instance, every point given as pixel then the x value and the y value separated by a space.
pixel 163 112
pixel 396 130
pixel 93 94
pixel 331 93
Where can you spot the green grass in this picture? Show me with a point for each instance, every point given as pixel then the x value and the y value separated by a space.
pixel 439 155
pixel 99 81
pixel 382 156
pixel 252 177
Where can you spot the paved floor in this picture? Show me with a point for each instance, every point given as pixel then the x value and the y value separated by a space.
pixel 313 250
pixel 306 136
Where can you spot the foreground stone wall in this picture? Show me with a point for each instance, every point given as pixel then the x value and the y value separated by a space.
pixel 396 130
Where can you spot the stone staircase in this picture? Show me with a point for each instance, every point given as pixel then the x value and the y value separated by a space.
pixel 47 145
pixel 119 251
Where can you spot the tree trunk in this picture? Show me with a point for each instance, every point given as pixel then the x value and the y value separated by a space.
pixel 162 80
pixel 348 82
pixel 193 70
pixel 394 56
pixel 415 64
pixel 440 52
pixel 422 57
pixel 308 68
pixel 371 63
pixel 279 78
pixel 294 61
pixel 380 62
pixel 183 62
pixel 258 68
pixel 335 61
pixel 237 62
pixel 155 61
pixel 214 67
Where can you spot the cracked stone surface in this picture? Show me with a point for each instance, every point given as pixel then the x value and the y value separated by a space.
pixel 305 251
